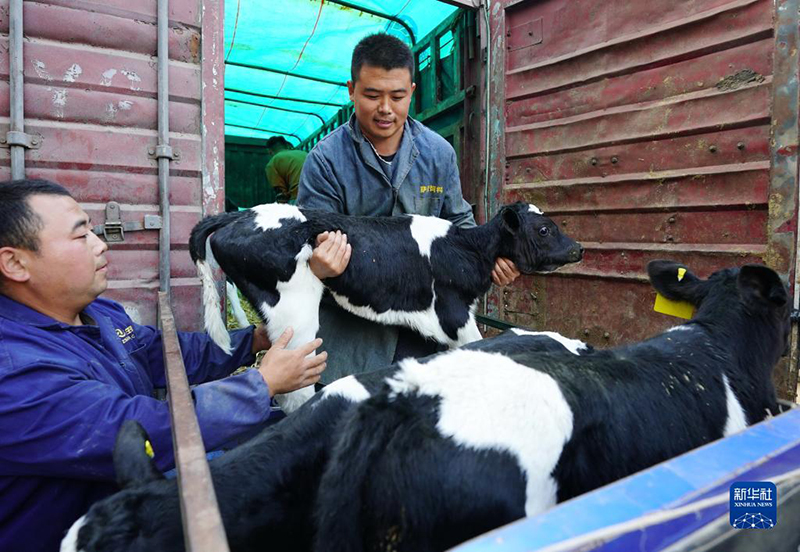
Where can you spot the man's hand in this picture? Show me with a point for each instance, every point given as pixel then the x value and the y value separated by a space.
pixel 261 340
pixel 331 255
pixel 287 370
pixel 504 272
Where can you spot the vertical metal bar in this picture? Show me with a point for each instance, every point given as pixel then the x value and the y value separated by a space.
pixel 202 523
pixel 782 246
pixel 163 140
pixel 16 82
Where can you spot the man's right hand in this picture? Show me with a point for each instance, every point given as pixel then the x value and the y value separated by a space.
pixel 288 370
pixel 331 255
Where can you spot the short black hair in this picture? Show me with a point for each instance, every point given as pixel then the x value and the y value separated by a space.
pixel 19 224
pixel 384 51
pixel 279 141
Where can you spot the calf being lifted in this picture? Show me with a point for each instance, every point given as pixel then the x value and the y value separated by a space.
pixel 474 440
pixel 420 272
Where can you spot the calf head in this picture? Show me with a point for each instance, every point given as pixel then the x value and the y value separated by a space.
pixel 536 243
pixel 753 294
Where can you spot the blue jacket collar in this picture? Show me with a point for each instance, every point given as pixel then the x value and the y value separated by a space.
pixel 22 313
pixel 406 153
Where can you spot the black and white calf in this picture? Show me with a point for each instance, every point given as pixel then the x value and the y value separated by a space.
pixel 266 488
pixel 420 272
pixel 475 439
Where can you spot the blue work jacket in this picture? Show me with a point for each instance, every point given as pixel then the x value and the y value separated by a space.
pixel 64 393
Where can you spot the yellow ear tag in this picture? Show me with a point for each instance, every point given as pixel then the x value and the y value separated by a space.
pixel 148 449
pixel 681 309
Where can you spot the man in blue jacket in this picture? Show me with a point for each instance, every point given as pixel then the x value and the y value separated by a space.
pixel 74 366
pixel 381 163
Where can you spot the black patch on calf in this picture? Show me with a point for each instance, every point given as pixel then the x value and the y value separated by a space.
pixel 374 277
pixel 386 469
pixel 131 463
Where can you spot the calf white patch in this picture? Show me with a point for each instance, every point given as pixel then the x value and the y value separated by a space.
pixel 426 229
pixel 349 388
pixel 534 209
pixel 70 541
pixel 681 328
pixel 737 420
pixel 574 346
pixel 212 314
pixel 297 308
pixel 269 216
pixel 488 401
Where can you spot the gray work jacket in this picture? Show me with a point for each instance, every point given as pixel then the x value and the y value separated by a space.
pixel 343 174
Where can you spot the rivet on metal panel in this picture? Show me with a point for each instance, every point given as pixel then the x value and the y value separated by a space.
pixel 563 223
pixel 614 160
pixel 606 335
pixel 527 169
pixel 593 161
pixel 740 145
pixel 586 331
pixel 712 149
pixel 669 239
pixel 671 220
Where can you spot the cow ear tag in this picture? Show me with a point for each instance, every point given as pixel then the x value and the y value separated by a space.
pixel 148 449
pixel 680 309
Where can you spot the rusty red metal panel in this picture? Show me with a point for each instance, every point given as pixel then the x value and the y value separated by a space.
pixel 646 131
pixel 94 28
pixel 90 98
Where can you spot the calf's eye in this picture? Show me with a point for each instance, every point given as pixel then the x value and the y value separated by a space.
pixel 544 230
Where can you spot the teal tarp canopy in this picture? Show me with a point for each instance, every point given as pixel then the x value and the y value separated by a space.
pixel 271 45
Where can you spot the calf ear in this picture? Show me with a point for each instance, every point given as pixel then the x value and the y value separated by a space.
pixel 760 285
pixel 674 281
pixel 133 461
pixel 510 218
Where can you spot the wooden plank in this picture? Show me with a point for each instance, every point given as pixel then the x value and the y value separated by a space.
pixel 202 524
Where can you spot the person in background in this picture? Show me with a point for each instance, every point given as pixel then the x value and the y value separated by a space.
pixel 74 367
pixel 283 168
pixel 381 163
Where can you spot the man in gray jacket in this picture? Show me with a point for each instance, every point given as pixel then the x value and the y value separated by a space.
pixel 381 163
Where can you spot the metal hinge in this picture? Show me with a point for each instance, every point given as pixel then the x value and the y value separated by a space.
pixel 113 230
pixel 157 152
pixel 16 138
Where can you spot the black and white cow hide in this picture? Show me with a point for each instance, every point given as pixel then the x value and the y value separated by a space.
pixel 420 272
pixel 266 487
pixel 475 439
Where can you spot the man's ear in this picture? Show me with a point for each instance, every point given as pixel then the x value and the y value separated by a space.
pixel 133 456
pixel 510 218
pixel 760 285
pixel 12 264
pixel 675 282
pixel 351 89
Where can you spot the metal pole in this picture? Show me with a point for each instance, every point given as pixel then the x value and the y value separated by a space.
pixel 203 530
pixel 163 151
pixel 16 82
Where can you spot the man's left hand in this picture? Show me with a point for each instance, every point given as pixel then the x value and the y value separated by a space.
pixel 504 272
pixel 261 340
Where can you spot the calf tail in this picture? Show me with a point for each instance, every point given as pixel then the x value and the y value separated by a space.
pixel 214 324
pixel 340 507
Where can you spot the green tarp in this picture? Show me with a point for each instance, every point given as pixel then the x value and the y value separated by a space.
pixel 311 38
